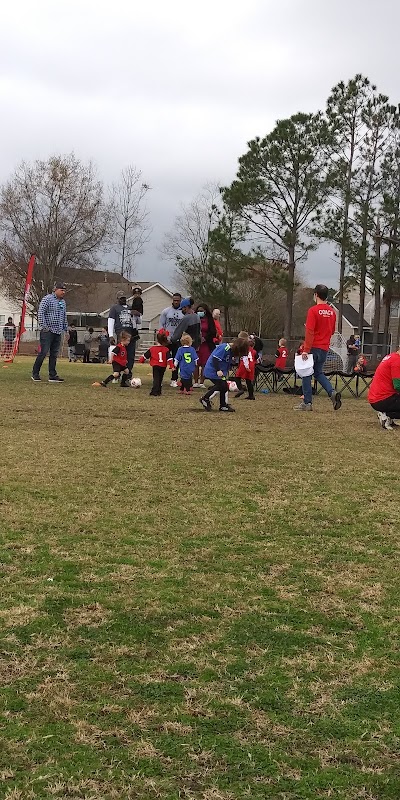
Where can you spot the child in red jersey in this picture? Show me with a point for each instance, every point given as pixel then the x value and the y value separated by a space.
pixel 246 369
pixel 159 357
pixel 119 362
pixel 281 355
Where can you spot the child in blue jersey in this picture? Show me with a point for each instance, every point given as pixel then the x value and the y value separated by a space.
pixel 217 370
pixel 186 360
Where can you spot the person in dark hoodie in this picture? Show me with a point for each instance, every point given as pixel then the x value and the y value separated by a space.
pixel 189 324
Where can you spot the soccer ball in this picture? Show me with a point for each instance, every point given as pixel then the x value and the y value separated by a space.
pixel 232 386
pixel 136 383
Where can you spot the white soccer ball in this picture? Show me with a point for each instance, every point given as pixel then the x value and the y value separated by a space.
pixel 232 386
pixel 136 383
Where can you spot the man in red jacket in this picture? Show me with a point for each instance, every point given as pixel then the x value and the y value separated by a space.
pixel 320 326
pixel 384 392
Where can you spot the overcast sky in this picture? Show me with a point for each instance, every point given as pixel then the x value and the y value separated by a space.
pixel 177 87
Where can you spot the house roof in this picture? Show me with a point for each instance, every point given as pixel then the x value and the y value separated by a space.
pixel 90 291
pixel 145 286
pixel 350 314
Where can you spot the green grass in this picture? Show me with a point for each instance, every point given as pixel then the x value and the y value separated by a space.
pixel 195 606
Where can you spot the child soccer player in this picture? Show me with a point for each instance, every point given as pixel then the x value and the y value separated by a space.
pixel 246 369
pixel 185 360
pixel 119 361
pixel 158 355
pixel 281 355
pixel 217 369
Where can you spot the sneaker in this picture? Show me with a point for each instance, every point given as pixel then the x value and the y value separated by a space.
pixel 205 403
pixel 393 423
pixel 36 378
pixel 303 406
pixel 239 393
pixel 56 380
pixel 174 384
pixel 249 398
pixel 196 386
pixel 336 399
pixel 201 386
pixel 226 408
pixel 382 418
pixel 386 422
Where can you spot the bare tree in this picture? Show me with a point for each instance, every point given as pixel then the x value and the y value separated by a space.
pixel 56 210
pixel 130 227
pixel 189 241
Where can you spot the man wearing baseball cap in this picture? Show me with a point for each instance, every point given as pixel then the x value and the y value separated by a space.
pixel 189 324
pixel 122 318
pixel 52 319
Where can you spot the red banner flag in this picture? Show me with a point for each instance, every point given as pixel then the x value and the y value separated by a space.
pixel 27 292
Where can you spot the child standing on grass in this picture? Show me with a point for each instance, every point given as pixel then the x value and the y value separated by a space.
pixel 246 369
pixel 119 362
pixel 217 370
pixel 186 360
pixel 158 355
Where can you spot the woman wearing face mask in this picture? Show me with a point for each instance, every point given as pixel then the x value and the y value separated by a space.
pixel 208 336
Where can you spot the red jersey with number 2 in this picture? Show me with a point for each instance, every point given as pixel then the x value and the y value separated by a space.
pixel 281 357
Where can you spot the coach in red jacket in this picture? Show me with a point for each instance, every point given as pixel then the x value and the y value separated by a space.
pixel 320 326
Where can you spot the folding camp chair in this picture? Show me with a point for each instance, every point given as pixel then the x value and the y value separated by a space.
pixel 346 381
pixel 363 382
pixel 282 378
pixel 79 351
pixel 318 389
pixel 264 378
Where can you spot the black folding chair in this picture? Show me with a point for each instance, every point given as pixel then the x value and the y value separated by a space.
pixel 79 351
pixel 283 378
pixel 317 388
pixel 363 381
pixel 347 380
pixel 264 378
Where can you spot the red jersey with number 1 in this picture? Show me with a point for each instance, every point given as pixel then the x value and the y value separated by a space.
pixel 320 327
pixel 157 355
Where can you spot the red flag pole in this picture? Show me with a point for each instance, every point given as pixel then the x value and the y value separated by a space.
pixel 27 292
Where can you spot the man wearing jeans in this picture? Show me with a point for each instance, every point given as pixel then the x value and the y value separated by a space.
pixel 320 326
pixel 52 318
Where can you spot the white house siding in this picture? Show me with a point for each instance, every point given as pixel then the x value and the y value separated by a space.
pixel 10 309
pixel 155 300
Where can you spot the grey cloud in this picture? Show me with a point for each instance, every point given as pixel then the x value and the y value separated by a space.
pixel 178 87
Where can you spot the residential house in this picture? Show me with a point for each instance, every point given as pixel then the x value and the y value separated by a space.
pixel 350 320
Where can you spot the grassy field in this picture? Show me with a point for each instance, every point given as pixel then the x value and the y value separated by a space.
pixel 195 606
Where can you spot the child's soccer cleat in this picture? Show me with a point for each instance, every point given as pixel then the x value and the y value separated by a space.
pixel 205 403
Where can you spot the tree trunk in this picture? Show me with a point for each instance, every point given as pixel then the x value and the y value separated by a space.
pixel 363 275
pixel 377 297
pixel 289 295
pixel 388 295
pixel 397 339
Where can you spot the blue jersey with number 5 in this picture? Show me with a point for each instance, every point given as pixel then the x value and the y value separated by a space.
pixel 186 359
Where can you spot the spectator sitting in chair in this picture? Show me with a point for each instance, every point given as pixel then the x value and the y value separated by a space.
pixel 361 366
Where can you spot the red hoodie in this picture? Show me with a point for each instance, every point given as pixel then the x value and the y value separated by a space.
pixel 320 326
